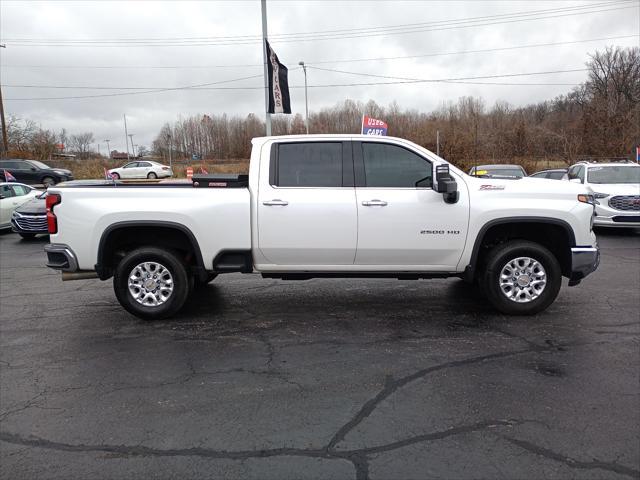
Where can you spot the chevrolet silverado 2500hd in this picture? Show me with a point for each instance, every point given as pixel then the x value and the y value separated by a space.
pixel 326 206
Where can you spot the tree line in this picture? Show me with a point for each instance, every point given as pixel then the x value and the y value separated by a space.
pixel 600 118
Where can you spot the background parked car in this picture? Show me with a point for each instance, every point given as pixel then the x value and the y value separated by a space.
pixel 616 188
pixel 142 169
pixel 498 171
pixel 552 173
pixel 12 195
pixel 30 218
pixel 33 172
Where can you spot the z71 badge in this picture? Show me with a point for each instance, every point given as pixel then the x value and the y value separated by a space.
pixel 491 187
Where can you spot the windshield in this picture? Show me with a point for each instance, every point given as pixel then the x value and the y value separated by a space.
pixel 38 164
pixel 500 172
pixel 614 174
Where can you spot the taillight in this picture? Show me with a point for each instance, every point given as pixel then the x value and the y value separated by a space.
pixel 52 222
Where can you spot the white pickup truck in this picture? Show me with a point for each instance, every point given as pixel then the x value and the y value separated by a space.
pixel 326 206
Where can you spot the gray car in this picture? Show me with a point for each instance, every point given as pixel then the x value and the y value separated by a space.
pixel 498 171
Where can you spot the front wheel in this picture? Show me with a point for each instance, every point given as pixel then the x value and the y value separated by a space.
pixel 151 283
pixel 521 277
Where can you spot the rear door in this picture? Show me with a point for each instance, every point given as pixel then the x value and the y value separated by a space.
pixel 307 213
pixel 403 224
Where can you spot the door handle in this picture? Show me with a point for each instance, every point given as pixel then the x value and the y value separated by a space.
pixel 374 203
pixel 276 202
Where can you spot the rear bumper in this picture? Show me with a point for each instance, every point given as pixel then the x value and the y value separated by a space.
pixel 61 257
pixel 584 260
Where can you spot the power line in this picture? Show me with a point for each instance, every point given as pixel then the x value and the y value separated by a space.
pixel 445 26
pixel 325 62
pixel 399 80
pixel 327 32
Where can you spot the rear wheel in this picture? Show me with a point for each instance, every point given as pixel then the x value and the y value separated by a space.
pixel 151 283
pixel 48 181
pixel 152 175
pixel 521 277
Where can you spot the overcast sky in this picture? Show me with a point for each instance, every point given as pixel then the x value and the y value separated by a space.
pixel 43 51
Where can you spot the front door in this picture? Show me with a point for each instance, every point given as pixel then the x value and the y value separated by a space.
pixel 307 213
pixel 403 224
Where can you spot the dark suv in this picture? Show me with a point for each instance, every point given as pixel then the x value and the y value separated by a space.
pixel 33 172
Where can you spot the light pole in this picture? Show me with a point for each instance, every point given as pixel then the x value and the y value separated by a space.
pixel 306 98
pixel 108 151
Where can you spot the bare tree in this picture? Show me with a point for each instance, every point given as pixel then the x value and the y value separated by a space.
pixel 81 144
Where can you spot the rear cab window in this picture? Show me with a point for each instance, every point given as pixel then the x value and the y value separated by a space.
pixel 310 164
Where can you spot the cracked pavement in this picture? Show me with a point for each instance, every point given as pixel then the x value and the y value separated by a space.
pixel 344 379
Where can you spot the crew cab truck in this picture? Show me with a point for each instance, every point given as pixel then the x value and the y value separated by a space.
pixel 326 206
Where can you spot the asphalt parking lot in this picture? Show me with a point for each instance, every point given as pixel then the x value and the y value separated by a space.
pixel 267 379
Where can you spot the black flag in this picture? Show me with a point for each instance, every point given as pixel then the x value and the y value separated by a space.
pixel 279 101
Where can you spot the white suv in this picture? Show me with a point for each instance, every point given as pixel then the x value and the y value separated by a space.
pixel 616 188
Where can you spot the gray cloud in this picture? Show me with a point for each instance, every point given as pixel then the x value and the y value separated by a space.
pixel 147 112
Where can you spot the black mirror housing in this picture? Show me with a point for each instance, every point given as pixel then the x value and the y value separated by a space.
pixel 446 184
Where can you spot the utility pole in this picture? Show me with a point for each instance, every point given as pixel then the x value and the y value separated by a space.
pixel 126 134
pixel 263 6
pixel 170 147
pixel 5 143
pixel 133 148
pixel 438 142
pixel 306 98
pixel 108 150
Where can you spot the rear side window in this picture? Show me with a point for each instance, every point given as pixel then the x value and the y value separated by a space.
pixel 144 164
pixel 310 164
pixel 392 166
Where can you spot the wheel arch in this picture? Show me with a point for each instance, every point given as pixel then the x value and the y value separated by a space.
pixel 126 235
pixel 535 229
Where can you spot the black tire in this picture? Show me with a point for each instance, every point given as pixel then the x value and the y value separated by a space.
pixel 115 176
pixel 152 176
pixel 28 236
pixel 182 283
pixel 498 258
pixel 48 181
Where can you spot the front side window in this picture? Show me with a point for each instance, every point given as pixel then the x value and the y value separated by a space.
pixel 309 164
pixel 614 174
pixel 5 191
pixel 131 165
pixel 391 166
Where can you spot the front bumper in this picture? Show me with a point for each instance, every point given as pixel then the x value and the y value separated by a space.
pixel 606 216
pixel 584 260
pixel 61 257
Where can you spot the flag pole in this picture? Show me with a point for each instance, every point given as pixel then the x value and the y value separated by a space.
pixel 263 5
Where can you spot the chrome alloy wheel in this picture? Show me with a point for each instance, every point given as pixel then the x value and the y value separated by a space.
pixel 522 279
pixel 150 284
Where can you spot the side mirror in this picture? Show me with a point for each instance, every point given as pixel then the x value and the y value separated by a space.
pixel 446 185
pixel 33 169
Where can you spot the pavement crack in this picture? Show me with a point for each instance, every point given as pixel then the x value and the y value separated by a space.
pixel 391 386
pixel 572 462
